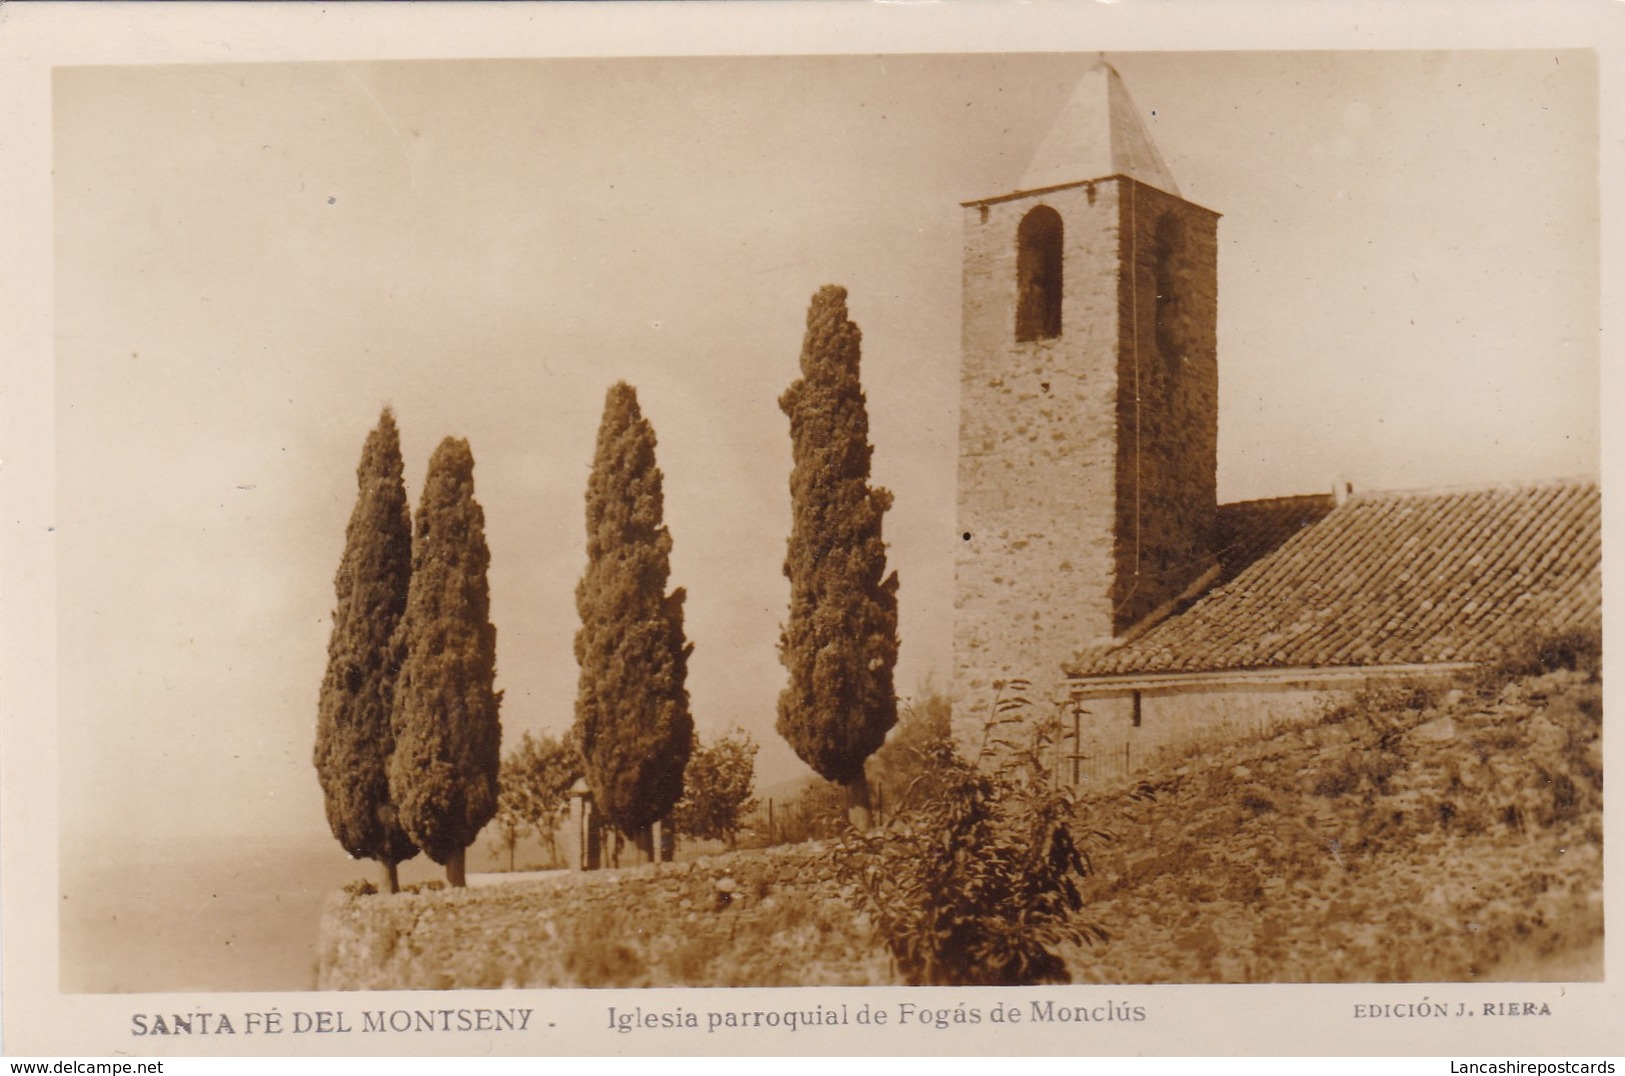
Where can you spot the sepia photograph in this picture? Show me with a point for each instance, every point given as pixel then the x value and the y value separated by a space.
pixel 1061 518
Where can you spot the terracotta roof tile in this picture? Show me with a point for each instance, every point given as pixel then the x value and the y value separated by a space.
pixel 1249 530
pixel 1384 579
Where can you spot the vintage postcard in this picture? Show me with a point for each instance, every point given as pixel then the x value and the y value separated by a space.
pixel 809 528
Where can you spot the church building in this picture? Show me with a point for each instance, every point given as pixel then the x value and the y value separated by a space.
pixel 1096 569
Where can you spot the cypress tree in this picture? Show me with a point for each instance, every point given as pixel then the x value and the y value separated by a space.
pixel 353 738
pixel 632 711
pixel 840 643
pixel 448 736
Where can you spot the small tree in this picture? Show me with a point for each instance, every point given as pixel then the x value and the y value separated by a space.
pixel 840 643
pixel 448 735
pixel 977 886
pixel 717 788
pixel 537 776
pixel 353 737
pixel 632 713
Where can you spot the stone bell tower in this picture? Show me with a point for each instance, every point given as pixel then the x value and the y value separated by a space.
pixel 1088 403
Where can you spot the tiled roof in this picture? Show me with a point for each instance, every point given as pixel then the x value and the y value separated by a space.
pixel 1393 579
pixel 1249 530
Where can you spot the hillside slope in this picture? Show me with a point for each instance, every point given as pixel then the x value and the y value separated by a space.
pixel 1402 838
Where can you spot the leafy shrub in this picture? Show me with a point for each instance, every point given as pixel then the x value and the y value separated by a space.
pixel 904 771
pixel 977 886
pixel 1383 709
pixel 360 888
pixel 717 787
pixel 1537 653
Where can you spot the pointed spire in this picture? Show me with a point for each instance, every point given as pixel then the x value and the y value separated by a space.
pixel 1098 133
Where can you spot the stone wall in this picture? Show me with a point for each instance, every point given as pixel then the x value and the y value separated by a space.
pixel 762 918
pixel 1174 722
pixel 1037 451
pixel 1087 461
pixel 1177 720
pixel 1167 401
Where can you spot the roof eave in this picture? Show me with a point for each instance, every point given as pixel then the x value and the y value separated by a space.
pixel 1079 687
pixel 1014 195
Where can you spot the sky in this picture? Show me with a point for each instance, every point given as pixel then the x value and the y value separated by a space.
pixel 253 259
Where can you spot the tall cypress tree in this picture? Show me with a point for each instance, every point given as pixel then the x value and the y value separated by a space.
pixel 448 736
pixel 353 738
pixel 632 704
pixel 840 643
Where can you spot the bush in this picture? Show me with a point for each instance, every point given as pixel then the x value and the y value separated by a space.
pixel 1382 706
pixel 903 771
pixel 1538 653
pixel 717 787
pixel 978 885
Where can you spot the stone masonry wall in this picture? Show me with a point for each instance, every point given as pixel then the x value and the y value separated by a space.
pixel 774 917
pixel 1037 453
pixel 1168 401
pixel 1087 462
pixel 1113 749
